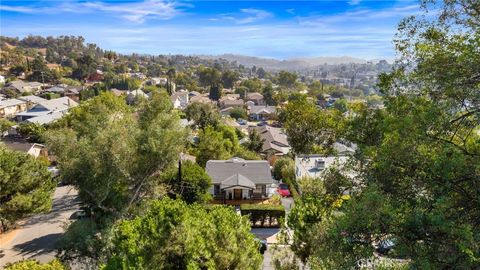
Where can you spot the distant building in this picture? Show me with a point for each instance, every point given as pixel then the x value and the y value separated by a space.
pixel 261 112
pixel 21 87
pixel 313 166
pixel 257 98
pixel 180 99
pixel 275 140
pixel 11 107
pixel 135 95
pixel 47 111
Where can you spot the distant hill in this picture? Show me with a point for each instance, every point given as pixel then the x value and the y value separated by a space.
pixel 289 64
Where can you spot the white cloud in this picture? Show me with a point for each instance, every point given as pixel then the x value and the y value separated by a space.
pixel 247 15
pixel 136 12
pixel 354 2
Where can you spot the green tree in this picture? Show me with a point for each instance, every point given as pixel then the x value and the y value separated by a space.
pixel 32 132
pixel 202 114
pixel 229 78
pixel 286 79
pixel 255 141
pixel 215 92
pixel 5 125
pixel 417 164
pixel 193 184
pixel 113 158
pixel 310 129
pixel 268 95
pixel 27 186
pixel 237 113
pixel 173 235
pixel 211 146
pixel 85 66
pixel 35 265
pixel 253 85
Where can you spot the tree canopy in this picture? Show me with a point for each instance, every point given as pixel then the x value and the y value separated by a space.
pixel 27 186
pixel 173 235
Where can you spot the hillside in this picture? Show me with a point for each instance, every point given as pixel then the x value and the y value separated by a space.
pixel 289 64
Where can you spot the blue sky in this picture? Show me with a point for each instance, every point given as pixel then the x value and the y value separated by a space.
pixel 275 29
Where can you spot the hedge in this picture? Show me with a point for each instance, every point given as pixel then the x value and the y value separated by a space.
pixel 263 215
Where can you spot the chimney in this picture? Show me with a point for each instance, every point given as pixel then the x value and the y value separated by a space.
pixel 68 102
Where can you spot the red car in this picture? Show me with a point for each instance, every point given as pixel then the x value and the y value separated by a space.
pixel 283 190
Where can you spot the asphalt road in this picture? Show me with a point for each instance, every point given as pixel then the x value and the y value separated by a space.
pixel 37 235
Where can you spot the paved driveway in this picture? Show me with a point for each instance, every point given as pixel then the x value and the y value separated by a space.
pixel 37 235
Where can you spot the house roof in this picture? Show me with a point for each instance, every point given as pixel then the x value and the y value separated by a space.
pixel 257 171
pixel 10 102
pixel 230 102
pixel 46 118
pixel 58 104
pixel 32 99
pixel 274 138
pixel 21 146
pixel 19 85
pixel 237 180
pixel 254 96
pixel 262 109
pixel 55 89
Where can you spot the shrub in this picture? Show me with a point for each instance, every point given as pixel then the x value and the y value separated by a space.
pixel 264 215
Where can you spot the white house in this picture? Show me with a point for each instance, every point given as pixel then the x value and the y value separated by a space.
pixel 313 166
pixel 180 99
pixel 11 107
pixel 47 111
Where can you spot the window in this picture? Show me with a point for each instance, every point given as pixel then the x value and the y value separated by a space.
pixel 216 189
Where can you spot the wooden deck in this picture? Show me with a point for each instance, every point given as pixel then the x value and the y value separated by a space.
pixel 238 202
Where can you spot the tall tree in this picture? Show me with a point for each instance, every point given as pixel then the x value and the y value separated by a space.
pixel 170 234
pixel 418 161
pixel 27 186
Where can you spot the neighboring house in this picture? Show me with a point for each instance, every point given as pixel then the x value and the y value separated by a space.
pixel 95 77
pixel 200 99
pixel 32 100
pixel 257 98
pixel 312 166
pixel 47 111
pixel 227 103
pixel 11 107
pixel 180 99
pixel 226 111
pixel 239 179
pixel 34 149
pixel 21 87
pixel 261 112
pixel 157 81
pixel 134 95
pixel 117 92
pixel 275 141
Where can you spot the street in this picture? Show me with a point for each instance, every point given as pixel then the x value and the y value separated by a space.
pixel 36 236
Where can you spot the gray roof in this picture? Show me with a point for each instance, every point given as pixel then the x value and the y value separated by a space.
pixel 33 99
pixel 274 139
pixel 262 109
pixel 10 102
pixel 237 180
pixel 46 118
pixel 255 171
pixel 58 104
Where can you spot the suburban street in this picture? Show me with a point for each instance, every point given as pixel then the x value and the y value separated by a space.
pixel 36 236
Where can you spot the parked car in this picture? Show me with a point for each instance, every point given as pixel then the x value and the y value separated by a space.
pixel 283 190
pixel 262 245
pixel 241 121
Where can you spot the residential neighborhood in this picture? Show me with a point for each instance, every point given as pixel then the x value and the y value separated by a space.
pixel 239 135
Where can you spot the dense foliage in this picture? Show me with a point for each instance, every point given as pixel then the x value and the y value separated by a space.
pixel 26 186
pixel 418 164
pixel 173 235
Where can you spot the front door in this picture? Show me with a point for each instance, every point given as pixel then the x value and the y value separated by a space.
pixel 237 194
